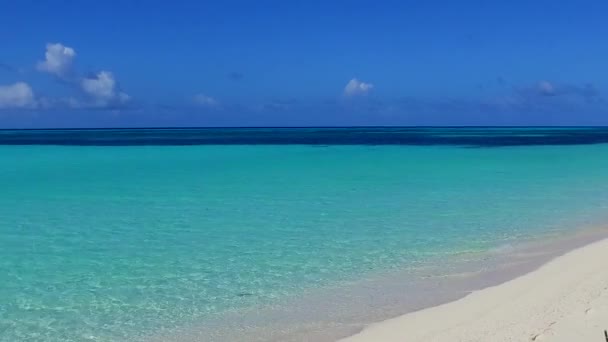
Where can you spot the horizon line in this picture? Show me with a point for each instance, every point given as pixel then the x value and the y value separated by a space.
pixel 293 127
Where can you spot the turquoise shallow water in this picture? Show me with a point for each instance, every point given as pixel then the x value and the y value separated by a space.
pixel 107 243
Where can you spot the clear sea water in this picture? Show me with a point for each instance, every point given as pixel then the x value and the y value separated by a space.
pixel 109 235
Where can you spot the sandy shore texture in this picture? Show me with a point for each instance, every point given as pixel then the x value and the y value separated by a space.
pixel 565 300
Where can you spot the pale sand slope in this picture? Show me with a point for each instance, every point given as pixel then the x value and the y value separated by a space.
pixel 564 300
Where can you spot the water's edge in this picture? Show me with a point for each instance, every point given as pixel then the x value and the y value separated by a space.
pixel 331 314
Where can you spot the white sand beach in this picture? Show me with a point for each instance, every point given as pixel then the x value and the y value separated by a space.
pixel 565 300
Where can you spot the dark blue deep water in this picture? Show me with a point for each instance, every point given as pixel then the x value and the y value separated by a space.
pixel 467 136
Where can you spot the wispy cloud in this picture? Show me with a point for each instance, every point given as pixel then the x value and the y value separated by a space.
pixel 205 101
pixel 355 87
pixel 546 88
pixel 561 92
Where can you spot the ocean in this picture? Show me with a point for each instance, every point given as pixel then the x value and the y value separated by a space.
pixel 120 235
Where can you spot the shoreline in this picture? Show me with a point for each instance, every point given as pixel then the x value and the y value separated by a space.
pixel 350 311
pixel 565 299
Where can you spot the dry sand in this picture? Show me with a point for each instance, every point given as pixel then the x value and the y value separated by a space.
pixel 565 300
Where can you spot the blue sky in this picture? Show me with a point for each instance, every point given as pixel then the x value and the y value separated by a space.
pixel 314 63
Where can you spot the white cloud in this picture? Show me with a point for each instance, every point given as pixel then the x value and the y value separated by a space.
pixel 100 86
pixel 18 95
pixel 355 87
pixel 206 101
pixel 102 89
pixel 58 59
